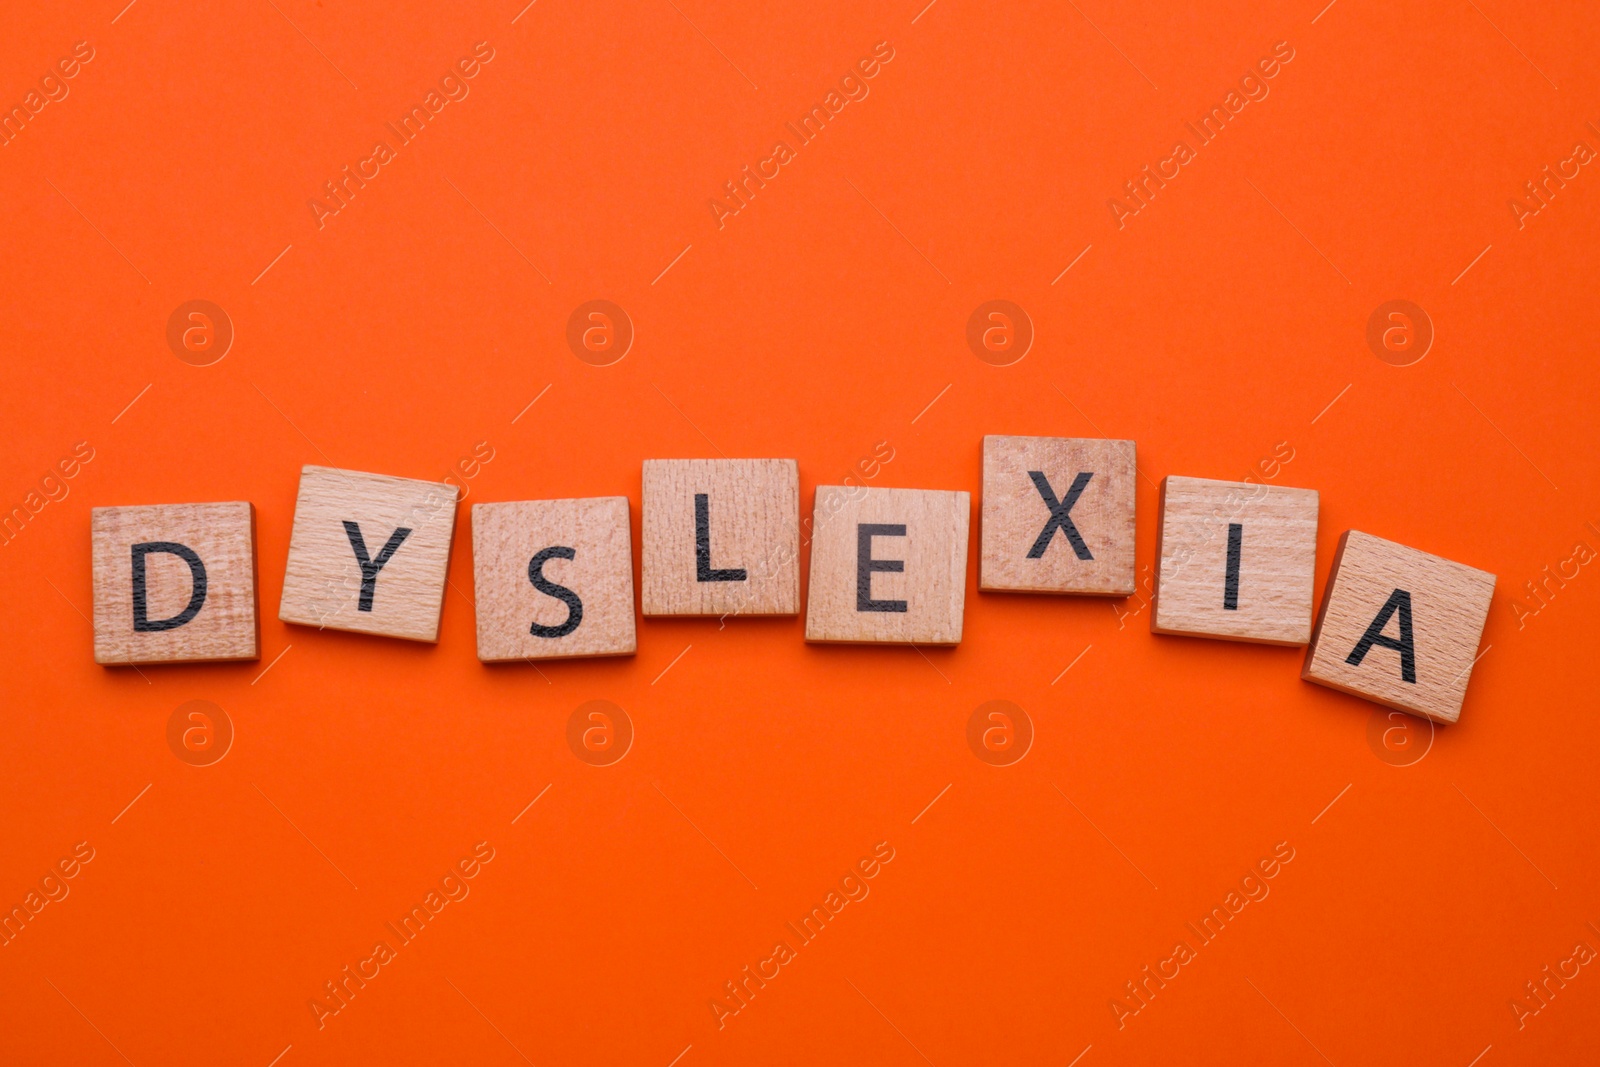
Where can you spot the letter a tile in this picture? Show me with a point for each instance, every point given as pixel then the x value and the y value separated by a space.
pixel 888 565
pixel 721 537
pixel 175 583
pixel 369 553
pixel 1399 627
pixel 1057 516
pixel 1235 560
pixel 554 579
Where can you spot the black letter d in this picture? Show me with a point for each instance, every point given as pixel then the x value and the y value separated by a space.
pixel 141 623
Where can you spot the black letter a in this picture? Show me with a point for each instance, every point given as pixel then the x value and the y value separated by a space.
pixel 1400 601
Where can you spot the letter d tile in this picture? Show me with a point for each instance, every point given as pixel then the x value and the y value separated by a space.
pixel 175 583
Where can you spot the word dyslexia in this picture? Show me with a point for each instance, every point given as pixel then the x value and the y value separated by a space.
pixel 554 578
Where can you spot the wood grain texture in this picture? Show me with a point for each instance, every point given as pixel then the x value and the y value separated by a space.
pixel 323 582
pixel 1447 604
pixel 1276 543
pixel 1015 513
pixel 932 553
pixel 752 519
pixel 224 626
pixel 585 554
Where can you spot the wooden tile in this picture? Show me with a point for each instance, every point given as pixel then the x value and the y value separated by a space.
pixel 721 536
pixel 554 579
pixel 175 583
pixel 1235 560
pixel 1057 515
pixel 1399 627
pixel 888 565
pixel 369 553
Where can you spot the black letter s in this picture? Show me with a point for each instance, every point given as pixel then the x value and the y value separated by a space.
pixel 560 592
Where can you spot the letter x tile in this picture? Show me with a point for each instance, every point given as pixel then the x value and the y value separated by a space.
pixel 1057 516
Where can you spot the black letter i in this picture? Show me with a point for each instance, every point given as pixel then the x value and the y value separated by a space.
pixel 1230 584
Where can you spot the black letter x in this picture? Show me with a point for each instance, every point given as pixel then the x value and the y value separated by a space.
pixel 1059 519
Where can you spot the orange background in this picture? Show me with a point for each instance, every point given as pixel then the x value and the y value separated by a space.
pixel 823 319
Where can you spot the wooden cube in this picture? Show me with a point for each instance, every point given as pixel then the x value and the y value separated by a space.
pixel 369 553
pixel 175 583
pixel 888 565
pixel 1235 560
pixel 1399 627
pixel 1057 516
pixel 721 537
pixel 554 579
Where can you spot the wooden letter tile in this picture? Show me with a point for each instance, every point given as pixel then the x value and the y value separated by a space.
pixel 1057 516
pixel 888 565
pixel 1235 560
pixel 721 536
pixel 554 579
pixel 175 583
pixel 369 553
pixel 1399 627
